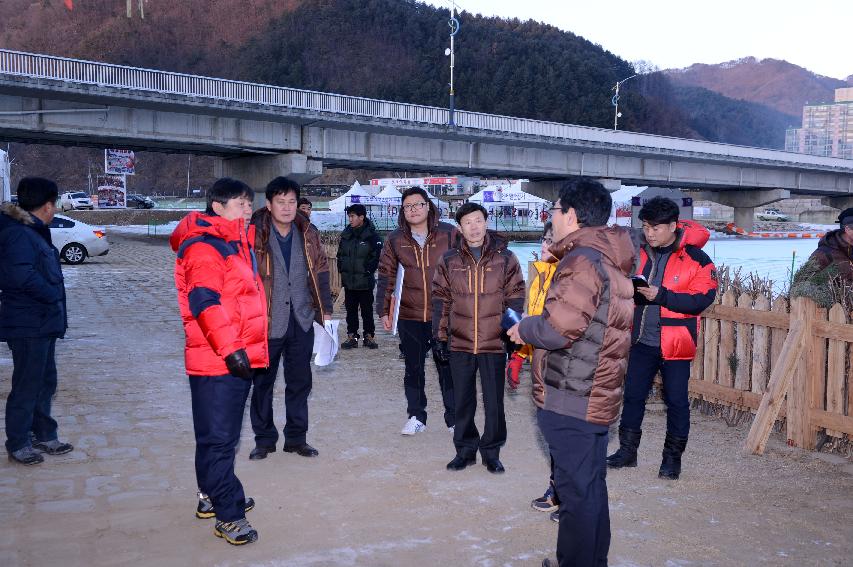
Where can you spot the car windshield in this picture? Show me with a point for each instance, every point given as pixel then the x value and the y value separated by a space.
pixel 79 196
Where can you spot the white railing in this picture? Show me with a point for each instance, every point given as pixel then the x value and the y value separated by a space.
pixel 150 80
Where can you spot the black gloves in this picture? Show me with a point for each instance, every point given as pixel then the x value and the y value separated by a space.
pixel 238 364
pixel 441 351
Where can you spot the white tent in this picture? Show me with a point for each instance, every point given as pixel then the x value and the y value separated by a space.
pixel 389 192
pixel 354 195
pixel 511 207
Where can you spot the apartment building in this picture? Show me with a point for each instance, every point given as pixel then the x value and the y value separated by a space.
pixel 827 128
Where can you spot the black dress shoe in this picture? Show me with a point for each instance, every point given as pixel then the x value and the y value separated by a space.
pixel 461 462
pixel 303 450
pixel 259 453
pixel 494 466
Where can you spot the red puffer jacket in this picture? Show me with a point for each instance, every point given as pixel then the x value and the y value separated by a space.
pixel 689 287
pixel 219 292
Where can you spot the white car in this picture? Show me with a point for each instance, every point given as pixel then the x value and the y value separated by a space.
pixel 772 215
pixel 77 240
pixel 75 200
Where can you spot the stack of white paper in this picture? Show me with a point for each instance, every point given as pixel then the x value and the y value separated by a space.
pixel 325 342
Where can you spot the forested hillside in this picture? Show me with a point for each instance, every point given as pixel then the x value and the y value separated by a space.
pixel 389 49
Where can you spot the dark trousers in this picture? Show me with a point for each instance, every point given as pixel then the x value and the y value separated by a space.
pixel 643 363
pixel 33 387
pixel 218 406
pixel 295 348
pixel 355 299
pixel 464 367
pixel 415 341
pixel 579 450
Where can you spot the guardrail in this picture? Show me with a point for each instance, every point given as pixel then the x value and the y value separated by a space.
pixel 40 66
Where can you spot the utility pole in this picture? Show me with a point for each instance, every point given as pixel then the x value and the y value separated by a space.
pixel 454 29
pixel 615 101
pixel 189 156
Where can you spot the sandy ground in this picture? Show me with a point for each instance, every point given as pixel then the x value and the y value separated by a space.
pixel 126 495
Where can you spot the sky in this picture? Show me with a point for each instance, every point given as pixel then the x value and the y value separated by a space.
pixel 816 34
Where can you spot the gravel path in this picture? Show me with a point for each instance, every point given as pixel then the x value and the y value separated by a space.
pixel 126 495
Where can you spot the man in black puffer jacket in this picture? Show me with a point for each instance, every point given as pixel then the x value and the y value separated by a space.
pixel 32 317
pixel 358 259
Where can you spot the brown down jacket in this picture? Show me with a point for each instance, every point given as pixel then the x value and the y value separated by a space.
pixel 469 297
pixel 418 264
pixel 587 322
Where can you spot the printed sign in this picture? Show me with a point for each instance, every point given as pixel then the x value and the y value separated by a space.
pixel 119 162
pixel 112 192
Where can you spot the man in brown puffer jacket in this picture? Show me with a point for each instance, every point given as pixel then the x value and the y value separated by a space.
pixel 585 329
pixel 417 246
pixel 474 283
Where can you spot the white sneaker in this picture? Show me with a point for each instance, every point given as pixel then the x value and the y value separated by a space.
pixel 413 426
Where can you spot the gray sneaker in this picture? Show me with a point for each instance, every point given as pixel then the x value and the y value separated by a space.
pixel 239 532
pixel 53 447
pixel 26 456
pixel 205 508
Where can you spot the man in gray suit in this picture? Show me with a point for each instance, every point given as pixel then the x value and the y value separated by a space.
pixel 295 272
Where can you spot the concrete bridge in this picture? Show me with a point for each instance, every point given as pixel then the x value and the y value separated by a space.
pixel 261 131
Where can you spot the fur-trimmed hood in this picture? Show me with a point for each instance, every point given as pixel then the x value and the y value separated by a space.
pixel 16 213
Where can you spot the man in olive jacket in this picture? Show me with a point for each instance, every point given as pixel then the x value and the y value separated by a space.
pixel 358 259
pixel 32 317
pixel 586 328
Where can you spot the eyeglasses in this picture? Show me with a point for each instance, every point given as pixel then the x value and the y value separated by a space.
pixel 548 241
pixel 414 206
pixel 550 212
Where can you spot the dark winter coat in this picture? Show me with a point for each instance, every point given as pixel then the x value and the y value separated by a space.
pixel 585 327
pixel 358 256
pixel 220 293
pixel 470 296
pixel 419 264
pixel 832 250
pixel 32 289
pixel 689 287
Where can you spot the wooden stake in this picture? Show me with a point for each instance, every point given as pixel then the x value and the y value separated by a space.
pixel 727 344
pixel 780 379
pixel 743 350
pixel 836 364
pixel 800 432
pixel 761 349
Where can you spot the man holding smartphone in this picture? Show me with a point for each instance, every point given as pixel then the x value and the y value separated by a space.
pixel 676 282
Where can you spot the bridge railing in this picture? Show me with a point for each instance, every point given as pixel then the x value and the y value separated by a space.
pixel 105 74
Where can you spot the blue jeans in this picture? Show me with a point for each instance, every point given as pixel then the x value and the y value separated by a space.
pixel 643 363
pixel 33 387
pixel 218 406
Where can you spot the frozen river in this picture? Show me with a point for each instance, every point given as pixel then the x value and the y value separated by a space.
pixel 768 258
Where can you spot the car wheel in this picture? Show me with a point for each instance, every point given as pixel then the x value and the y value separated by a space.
pixel 73 253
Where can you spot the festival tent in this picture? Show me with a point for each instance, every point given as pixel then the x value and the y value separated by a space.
pixel 354 195
pixel 390 192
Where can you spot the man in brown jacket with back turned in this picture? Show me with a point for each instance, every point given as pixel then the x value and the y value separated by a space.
pixel 585 328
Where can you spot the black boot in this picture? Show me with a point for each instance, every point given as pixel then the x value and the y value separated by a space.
pixel 351 342
pixel 626 454
pixel 670 466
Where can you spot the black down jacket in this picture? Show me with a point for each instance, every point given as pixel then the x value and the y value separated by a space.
pixel 358 256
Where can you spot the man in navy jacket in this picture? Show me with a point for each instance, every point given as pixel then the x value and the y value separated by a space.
pixel 32 317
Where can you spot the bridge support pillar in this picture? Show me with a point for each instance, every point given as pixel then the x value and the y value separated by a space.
pixel 839 203
pixel 744 202
pixel 257 171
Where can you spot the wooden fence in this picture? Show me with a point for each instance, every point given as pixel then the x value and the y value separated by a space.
pixel 788 365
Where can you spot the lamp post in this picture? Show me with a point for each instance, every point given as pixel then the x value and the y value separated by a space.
pixel 454 29
pixel 615 101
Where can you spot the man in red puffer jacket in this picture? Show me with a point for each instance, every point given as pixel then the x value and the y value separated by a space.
pixel 222 304
pixel 680 282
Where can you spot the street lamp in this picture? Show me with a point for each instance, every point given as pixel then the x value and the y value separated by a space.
pixel 615 101
pixel 454 29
